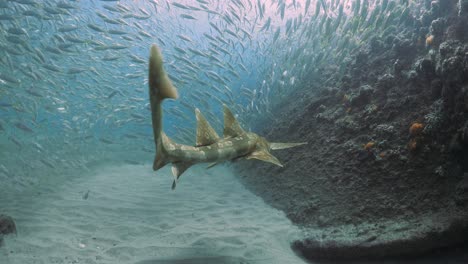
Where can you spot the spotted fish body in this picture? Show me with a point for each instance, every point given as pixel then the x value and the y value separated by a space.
pixel 225 149
pixel 235 143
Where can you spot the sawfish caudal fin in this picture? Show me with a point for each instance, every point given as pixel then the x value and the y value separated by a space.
pixel 160 88
pixel 159 83
pixel 161 155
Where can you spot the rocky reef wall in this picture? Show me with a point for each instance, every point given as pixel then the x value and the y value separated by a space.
pixel 385 171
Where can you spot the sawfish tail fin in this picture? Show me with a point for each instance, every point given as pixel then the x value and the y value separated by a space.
pixel 161 158
pixel 160 88
pixel 159 83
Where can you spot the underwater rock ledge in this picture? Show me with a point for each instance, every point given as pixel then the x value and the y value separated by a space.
pixel 385 171
pixel 395 239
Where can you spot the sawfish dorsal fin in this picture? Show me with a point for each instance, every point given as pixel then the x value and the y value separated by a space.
pixel 206 135
pixel 264 155
pixel 231 126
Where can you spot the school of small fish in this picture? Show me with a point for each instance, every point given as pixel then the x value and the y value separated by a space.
pixel 73 74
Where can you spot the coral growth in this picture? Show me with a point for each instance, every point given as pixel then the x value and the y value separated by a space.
pixel 429 40
pixel 413 144
pixel 416 129
pixel 369 145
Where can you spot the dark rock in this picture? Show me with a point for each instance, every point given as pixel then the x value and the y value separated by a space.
pixel 426 68
pixel 412 76
pixel 427 4
pixel 452 69
pixel 330 114
pixel 391 30
pixel 436 88
pixel 434 119
pixel 358 167
pixel 462 191
pixel 457 31
pixel 7 226
pixel 447 48
pixel 346 79
pixel 321 108
pixel 376 44
pixel 385 82
pixel 369 244
pixel 361 58
pixel 426 18
pixel 397 67
pixel 465 98
pixel 362 96
pixel 403 48
pixel 347 124
pixel 437 27
pixel 463 7
pixel 435 9
pixel 447 6
pixel 321 222
pixel 385 130
pixel 330 91
pixel 363 155
pixel 464 134
pixel 455 145
pixel 389 39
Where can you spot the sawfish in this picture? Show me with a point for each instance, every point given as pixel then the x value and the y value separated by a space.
pixel 235 144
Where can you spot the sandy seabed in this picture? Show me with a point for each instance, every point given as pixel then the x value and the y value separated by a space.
pixel 131 215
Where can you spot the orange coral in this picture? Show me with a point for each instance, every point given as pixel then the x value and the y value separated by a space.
pixel 382 154
pixel 369 145
pixel 429 40
pixel 416 129
pixel 413 144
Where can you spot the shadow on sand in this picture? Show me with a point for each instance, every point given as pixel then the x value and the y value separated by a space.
pixel 453 255
pixel 196 260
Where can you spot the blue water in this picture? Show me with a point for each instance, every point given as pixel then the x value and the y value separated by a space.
pixel 71 94
pixel 76 135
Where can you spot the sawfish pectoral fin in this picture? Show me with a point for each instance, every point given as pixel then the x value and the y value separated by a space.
pixel 177 169
pixel 275 146
pixel 264 155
